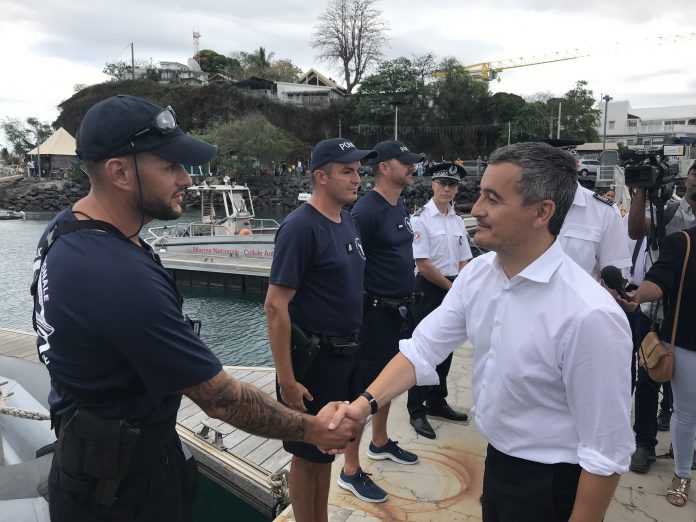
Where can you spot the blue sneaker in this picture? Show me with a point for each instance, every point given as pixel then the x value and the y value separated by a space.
pixel 392 451
pixel 361 486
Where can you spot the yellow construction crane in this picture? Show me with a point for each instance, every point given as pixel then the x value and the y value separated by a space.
pixel 489 71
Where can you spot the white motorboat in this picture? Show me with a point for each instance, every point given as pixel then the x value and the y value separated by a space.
pixel 227 227
pixel 25 441
pixel 12 214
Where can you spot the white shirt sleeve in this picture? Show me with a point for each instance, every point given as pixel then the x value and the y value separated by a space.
pixel 613 248
pixel 438 335
pixel 596 363
pixel 421 242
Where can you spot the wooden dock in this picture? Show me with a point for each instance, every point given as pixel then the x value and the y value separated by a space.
pixel 246 465
pixel 249 275
pixel 444 486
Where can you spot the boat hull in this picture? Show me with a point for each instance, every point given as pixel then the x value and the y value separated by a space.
pixel 244 247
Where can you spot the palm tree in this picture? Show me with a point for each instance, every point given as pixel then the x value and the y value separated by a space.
pixel 261 60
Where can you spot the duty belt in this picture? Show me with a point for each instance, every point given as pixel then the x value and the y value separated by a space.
pixel 387 303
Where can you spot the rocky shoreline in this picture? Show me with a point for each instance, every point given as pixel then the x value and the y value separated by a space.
pixel 268 192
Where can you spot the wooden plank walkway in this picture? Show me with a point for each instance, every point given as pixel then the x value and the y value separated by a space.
pixel 240 462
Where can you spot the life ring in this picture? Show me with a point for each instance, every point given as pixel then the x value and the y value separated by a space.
pixel 245 232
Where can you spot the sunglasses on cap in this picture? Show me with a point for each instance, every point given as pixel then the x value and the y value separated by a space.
pixel 164 123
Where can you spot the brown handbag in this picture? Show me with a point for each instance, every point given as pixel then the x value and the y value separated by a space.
pixel 657 360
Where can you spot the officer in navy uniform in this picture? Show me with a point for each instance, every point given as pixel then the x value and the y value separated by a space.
pixel 112 334
pixel 441 250
pixel 314 311
pixel 387 238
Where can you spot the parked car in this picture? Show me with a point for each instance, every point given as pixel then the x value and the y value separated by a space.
pixel 588 166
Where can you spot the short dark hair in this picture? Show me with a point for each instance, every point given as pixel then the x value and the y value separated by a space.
pixel 547 173
pixel 691 168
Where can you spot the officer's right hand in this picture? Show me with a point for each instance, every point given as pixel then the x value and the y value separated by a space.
pixel 293 395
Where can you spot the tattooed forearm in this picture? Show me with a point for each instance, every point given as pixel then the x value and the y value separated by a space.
pixel 248 408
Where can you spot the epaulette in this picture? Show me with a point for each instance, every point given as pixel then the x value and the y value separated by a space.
pixel 603 199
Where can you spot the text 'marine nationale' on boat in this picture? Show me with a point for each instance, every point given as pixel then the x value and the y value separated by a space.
pixel 228 227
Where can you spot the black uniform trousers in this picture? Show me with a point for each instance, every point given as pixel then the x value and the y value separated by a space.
pixel 518 490
pixel 430 296
pixel 160 492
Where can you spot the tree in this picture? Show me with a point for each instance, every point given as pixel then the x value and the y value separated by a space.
pixel 531 123
pixel 579 118
pixel 5 154
pixel 350 34
pixel 284 71
pixel 212 62
pixel 252 142
pixel 257 63
pixel 399 81
pixel 118 71
pixel 25 135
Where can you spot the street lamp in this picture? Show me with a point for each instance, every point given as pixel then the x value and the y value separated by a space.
pixel 395 104
pixel 606 99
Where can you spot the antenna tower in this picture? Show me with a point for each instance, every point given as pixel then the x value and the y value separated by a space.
pixel 196 55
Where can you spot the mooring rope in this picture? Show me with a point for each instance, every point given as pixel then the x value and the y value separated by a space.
pixel 279 490
pixel 16 412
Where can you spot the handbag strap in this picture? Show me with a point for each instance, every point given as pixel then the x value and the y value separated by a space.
pixel 681 287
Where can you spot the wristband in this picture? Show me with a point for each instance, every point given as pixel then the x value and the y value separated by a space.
pixel 372 402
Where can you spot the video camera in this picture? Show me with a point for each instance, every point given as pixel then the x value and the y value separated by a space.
pixel 647 169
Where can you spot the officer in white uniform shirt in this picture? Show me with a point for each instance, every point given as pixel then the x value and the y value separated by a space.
pixel 550 374
pixel 441 250
pixel 593 235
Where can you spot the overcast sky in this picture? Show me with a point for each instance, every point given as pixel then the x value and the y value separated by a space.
pixel 48 46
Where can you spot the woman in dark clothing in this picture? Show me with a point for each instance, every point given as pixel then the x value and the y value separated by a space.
pixel 662 281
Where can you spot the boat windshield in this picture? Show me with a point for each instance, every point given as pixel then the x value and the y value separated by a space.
pixel 238 203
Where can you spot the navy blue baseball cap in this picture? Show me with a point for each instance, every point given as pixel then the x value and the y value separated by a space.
pixel 124 125
pixel 337 150
pixel 392 149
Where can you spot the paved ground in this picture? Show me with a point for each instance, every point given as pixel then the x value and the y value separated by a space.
pixel 446 484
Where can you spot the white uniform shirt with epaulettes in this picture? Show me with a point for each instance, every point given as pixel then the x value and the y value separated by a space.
pixel 593 235
pixel 440 238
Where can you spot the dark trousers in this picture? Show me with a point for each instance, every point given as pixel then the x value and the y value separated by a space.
pixel 430 297
pixel 161 492
pixel 518 490
pixel 647 392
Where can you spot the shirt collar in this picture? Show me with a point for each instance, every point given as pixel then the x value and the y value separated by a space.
pixel 580 197
pixel 432 208
pixel 541 269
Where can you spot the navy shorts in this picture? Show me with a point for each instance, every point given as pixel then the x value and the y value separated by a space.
pixel 331 378
pixel 379 341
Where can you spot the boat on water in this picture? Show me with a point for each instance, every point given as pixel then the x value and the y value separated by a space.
pixel 227 227
pixel 12 214
pixel 26 440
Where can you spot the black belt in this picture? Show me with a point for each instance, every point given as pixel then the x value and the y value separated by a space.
pixel 388 303
pixel 336 344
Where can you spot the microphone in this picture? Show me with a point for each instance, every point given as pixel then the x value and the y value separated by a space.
pixel 613 279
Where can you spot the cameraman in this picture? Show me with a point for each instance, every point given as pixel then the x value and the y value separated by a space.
pixel 678 216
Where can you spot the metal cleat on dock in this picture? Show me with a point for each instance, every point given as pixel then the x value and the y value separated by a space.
pixel 217 441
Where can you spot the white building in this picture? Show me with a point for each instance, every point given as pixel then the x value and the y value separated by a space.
pixel 647 126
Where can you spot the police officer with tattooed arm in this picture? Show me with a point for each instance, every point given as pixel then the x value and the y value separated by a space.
pixel 112 334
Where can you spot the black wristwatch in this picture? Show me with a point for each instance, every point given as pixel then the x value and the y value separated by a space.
pixel 371 400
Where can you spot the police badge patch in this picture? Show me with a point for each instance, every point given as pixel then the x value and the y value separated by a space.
pixel 416 238
pixel 407 222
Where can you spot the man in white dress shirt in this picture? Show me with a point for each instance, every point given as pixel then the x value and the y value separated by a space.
pixel 551 381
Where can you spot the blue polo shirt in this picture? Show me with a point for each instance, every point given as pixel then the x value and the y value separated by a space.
pixel 387 239
pixel 108 313
pixel 324 262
